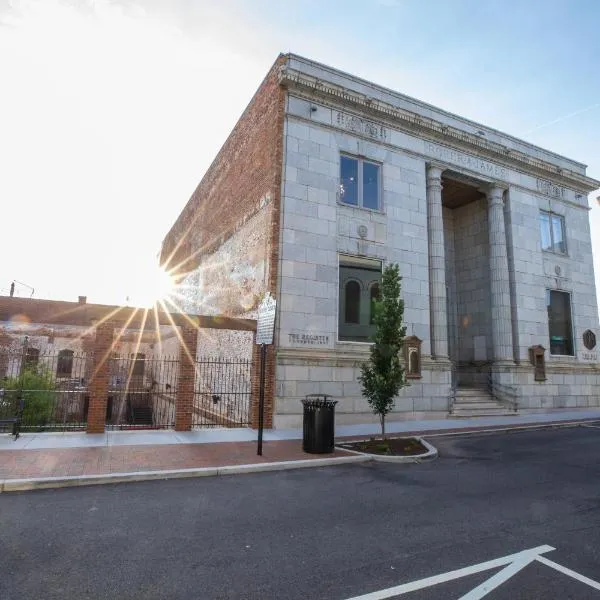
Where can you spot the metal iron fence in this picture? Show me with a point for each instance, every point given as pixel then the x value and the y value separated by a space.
pixel 222 393
pixel 142 392
pixel 53 384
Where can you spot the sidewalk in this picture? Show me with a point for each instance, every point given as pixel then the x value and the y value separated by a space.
pixel 56 459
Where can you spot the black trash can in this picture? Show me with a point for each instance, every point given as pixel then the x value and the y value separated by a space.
pixel 318 424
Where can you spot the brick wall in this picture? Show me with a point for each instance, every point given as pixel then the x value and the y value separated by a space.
pixel 242 186
pixel 246 170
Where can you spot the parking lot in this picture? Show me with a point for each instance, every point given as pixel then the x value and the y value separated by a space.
pixel 483 520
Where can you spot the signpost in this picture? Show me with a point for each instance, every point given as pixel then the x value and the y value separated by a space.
pixel 264 337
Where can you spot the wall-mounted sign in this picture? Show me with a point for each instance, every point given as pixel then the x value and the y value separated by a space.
pixel 266 320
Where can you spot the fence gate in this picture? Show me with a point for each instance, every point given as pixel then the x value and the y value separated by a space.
pixel 142 392
pixel 222 393
pixel 53 384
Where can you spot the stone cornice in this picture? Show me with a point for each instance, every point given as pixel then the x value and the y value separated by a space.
pixel 432 129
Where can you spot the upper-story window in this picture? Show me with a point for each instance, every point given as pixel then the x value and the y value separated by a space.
pixel 360 182
pixel 552 227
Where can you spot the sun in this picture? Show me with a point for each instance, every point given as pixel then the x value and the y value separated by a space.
pixel 154 285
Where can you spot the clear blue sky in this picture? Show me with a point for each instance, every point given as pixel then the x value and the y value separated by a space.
pixel 112 111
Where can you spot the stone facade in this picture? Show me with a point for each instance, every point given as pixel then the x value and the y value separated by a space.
pixel 459 211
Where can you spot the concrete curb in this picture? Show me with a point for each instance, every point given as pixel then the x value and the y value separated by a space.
pixel 429 455
pixel 500 429
pixel 39 483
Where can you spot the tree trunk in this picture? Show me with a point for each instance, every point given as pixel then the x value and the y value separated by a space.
pixel 382 419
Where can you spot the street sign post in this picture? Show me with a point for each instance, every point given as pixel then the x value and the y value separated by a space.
pixel 264 336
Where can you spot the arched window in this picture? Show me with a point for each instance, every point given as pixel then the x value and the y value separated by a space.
pixel 374 298
pixel 352 309
pixel 64 366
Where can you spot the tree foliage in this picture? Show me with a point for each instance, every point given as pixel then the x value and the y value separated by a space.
pixel 38 389
pixel 382 376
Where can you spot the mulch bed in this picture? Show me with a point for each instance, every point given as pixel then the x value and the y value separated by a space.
pixel 388 447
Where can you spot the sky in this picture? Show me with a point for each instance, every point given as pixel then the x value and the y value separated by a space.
pixel 111 112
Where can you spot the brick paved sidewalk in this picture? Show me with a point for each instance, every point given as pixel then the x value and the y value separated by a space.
pixel 69 462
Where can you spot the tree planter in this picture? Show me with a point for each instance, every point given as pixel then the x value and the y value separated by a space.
pixel 398 450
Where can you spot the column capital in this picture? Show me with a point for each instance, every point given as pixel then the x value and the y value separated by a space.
pixel 494 192
pixel 435 170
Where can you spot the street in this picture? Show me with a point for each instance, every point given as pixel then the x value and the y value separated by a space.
pixel 329 533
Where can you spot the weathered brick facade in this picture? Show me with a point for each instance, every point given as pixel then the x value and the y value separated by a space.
pixel 244 179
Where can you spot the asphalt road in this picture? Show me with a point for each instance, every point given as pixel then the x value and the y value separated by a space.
pixel 329 533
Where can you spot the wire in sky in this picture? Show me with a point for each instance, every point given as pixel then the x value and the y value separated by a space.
pixel 565 117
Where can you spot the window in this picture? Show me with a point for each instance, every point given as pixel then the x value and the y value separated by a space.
pixel 352 312
pixel 360 182
pixel 64 366
pixel 559 322
pixel 359 288
pixel 552 228
pixel 374 298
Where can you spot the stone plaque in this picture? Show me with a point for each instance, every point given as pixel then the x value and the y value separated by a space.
pixel 589 339
pixel 266 320
pixel 308 339
pixel 550 189
pixel 362 126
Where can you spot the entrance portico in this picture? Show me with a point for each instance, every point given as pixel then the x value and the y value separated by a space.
pixel 470 300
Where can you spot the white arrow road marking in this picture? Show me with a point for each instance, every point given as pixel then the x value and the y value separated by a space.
pixel 525 557
pixel 499 578
pixel 557 567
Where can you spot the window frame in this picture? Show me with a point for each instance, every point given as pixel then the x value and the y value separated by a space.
pixel 571 323
pixel 365 295
pixel 361 160
pixel 551 215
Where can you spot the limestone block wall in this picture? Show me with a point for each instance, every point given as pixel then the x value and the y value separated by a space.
pixel 572 381
pixel 316 230
pixel 472 259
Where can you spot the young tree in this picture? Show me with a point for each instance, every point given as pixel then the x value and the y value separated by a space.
pixel 382 376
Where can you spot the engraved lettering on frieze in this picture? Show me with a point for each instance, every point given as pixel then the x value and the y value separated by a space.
pixel 308 339
pixel 359 125
pixel 549 189
pixel 470 162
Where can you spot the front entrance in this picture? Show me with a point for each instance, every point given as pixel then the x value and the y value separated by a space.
pixel 468 293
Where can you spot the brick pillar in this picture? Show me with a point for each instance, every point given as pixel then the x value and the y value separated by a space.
pixel 184 400
pixel 269 386
pixel 100 377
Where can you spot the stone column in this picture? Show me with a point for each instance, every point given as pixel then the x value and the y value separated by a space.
pixel 437 264
pixel 98 386
pixel 499 282
pixel 184 399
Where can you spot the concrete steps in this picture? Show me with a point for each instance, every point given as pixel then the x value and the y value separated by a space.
pixel 477 402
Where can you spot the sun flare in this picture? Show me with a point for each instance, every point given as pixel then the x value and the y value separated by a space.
pixel 157 285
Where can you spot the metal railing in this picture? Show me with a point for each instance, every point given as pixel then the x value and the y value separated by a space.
pixel 142 392
pixel 222 393
pixel 51 382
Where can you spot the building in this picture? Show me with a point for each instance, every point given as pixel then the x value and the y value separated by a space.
pixel 325 178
